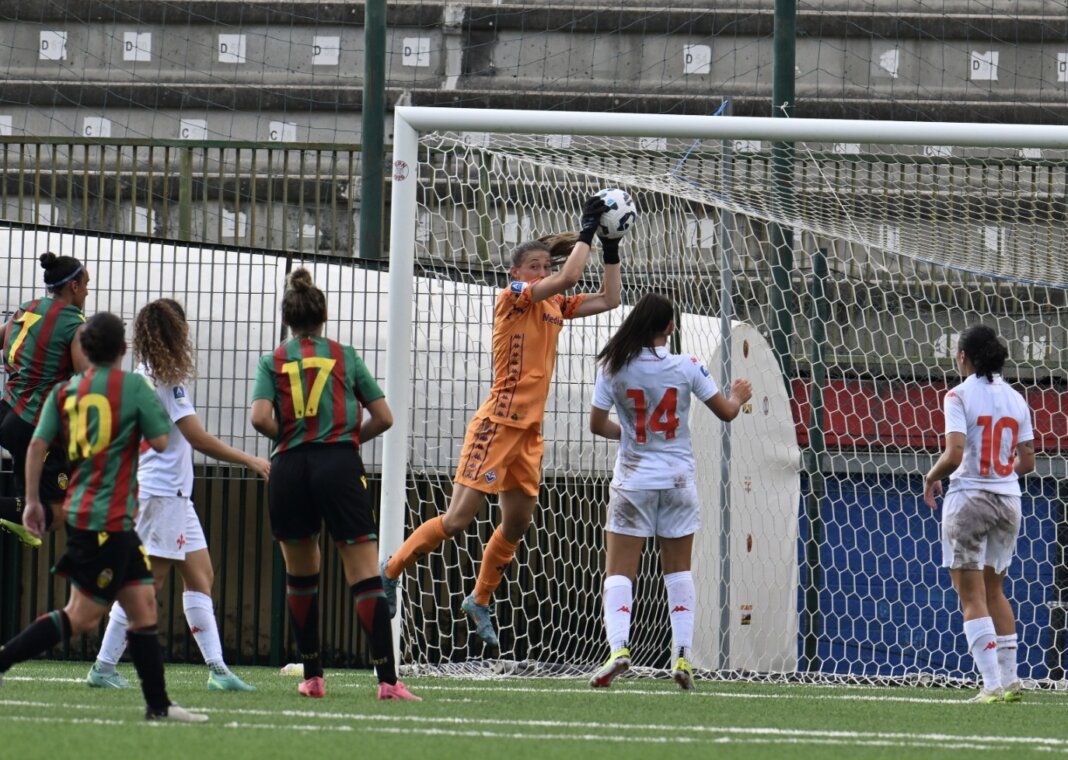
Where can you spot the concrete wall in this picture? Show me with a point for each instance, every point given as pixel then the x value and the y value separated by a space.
pixel 240 66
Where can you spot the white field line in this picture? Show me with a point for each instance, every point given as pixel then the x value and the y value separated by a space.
pixel 499 686
pixel 672 693
pixel 626 731
pixel 917 742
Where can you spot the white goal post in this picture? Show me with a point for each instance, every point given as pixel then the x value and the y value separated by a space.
pixel 909 212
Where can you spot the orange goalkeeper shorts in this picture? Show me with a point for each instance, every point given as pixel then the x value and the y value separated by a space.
pixel 498 457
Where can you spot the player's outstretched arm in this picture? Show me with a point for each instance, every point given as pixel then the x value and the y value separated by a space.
pixel 204 442
pixel 575 264
pixel 728 408
pixel 608 297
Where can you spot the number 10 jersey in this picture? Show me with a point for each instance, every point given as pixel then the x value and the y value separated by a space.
pixel 994 418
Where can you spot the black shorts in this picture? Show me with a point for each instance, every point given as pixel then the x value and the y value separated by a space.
pixel 15 436
pixel 319 483
pixel 101 564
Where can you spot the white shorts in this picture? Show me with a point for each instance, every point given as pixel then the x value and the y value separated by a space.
pixel 979 529
pixel 668 513
pixel 169 527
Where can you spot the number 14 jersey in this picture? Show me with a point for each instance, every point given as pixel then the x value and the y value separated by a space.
pixel 651 395
pixel 994 418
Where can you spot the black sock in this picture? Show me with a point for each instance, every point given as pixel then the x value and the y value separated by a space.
pixel 148 660
pixel 39 636
pixel 11 509
pixel 373 612
pixel 302 599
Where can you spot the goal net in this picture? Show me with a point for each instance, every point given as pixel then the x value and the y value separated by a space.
pixel 817 557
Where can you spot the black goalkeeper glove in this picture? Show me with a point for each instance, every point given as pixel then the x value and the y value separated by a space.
pixel 591 219
pixel 609 249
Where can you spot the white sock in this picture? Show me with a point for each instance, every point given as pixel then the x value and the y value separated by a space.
pixel 682 598
pixel 114 642
pixel 618 601
pixel 982 643
pixel 200 615
pixel 1007 658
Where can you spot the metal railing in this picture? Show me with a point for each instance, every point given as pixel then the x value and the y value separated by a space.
pixel 279 196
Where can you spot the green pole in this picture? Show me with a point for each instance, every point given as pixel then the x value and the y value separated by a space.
pixel 185 195
pixel 374 124
pixel 815 460
pixel 781 298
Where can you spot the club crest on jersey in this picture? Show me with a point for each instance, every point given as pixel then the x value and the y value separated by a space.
pixel 491 476
pixel 62 480
pixel 104 579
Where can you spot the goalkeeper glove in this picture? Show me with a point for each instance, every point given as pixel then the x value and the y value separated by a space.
pixel 609 249
pixel 591 219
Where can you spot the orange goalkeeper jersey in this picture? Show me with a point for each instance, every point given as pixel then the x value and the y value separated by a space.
pixel 524 353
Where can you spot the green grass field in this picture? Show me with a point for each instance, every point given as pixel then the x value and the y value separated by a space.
pixel 46 711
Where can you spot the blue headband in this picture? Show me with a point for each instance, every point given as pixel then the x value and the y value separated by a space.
pixel 56 285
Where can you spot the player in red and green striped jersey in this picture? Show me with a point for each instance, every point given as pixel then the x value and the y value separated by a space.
pixel 40 350
pixel 100 415
pixel 308 399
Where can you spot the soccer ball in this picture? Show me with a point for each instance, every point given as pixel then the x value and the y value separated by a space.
pixel 620 215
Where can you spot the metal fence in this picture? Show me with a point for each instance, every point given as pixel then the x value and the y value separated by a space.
pixel 288 197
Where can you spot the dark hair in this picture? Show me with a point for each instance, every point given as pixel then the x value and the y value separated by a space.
pixel 984 349
pixel 161 342
pixel 303 304
pixel 102 338
pixel 647 320
pixel 174 305
pixel 59 270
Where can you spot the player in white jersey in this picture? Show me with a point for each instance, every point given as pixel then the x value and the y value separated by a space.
pixel 167 522
pixel 653 491
pixel 989 445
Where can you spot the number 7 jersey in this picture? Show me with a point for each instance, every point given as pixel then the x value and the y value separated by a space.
pixel 994 418
pixel 651 395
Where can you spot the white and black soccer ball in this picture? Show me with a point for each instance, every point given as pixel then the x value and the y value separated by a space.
pixel 620 215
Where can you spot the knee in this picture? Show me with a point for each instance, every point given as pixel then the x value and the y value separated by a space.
pixel 515 530
pixel 201 582
pixel 82 621
pixel 453 524
pixel 142 616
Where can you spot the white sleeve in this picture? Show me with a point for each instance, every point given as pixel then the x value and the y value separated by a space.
pixel 602 391
pixel 1027 430
pixel 956 420
pixel 704 387
pixel 176 401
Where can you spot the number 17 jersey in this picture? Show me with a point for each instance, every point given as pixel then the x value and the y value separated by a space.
pixel 651 395
pixel 994 418
pixel 318 388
